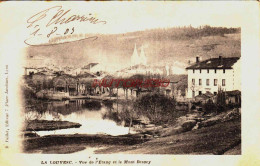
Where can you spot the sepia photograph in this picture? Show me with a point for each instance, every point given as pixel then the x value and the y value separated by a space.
pixel 129 83
pixel 162 90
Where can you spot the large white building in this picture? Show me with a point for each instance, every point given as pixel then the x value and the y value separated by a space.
pixel 211 74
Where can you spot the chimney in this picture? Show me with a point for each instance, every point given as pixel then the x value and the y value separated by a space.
pixel 197 59
pixel 220 59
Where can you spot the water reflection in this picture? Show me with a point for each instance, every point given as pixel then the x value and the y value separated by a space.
pixel 94 116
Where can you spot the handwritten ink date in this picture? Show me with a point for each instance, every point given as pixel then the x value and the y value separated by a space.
pixel 67 31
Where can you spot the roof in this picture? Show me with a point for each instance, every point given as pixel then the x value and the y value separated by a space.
pixel 215 63
pixel 85 75
pixel 202 97
pixel 89 65
pixel 209 94
pixel 31 68
pixel 233 93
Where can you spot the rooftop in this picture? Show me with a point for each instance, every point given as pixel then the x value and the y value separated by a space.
pixel 90 65
pixel 215 63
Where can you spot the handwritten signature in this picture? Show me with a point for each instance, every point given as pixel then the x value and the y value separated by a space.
pixel 59 17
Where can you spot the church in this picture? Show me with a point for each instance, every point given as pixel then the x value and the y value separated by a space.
pixel 138 59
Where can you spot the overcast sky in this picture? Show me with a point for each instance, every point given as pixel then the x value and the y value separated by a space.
pixel 128 16
pixel 120 17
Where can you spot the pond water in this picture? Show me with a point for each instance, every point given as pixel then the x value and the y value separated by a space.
pixel 95 117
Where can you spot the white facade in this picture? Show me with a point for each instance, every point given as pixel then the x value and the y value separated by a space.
pixel 226 79
pixel 28 71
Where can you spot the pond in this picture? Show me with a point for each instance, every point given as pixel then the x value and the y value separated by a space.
pixel 95 117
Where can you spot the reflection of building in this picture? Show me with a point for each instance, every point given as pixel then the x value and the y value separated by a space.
pixel 212 74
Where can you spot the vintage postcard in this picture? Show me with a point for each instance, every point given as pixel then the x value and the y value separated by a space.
pixel 129 83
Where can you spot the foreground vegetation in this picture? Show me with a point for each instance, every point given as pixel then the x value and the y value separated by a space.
pixel 215 132
pixel 215 139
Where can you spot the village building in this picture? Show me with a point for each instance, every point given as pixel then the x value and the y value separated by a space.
pixel 72 71
pixel 233 97
pixel 213 74
pixel 203 98
pixel 177 87
pixel 66 83
pixel 41 77
pixel 88 68
pixel 30 70
pixel 85 82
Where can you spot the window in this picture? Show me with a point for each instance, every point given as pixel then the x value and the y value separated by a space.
pixel 215 82
pixel 223 82
pixel 200 93
pixel 208 70
pixel 193 81
pixel 193 70
pixel 215 70
pixel 207 82
pixel 215 93
pixel 224 71
pixel 199 81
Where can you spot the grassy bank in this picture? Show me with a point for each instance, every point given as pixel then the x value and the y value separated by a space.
pixel 216 139
pixel 40 125
pixel 61 143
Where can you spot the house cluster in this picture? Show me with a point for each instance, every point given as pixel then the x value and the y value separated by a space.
pixel 203 81
pixel 74 71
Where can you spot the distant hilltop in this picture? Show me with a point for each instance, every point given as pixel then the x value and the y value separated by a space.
pixel 154 46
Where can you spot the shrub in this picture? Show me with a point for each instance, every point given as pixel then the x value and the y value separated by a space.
pixel 193 107
pixel 221 108
pixel 157 107
pixel 210 107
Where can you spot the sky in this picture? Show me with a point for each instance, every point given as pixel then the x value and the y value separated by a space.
pixel 120 17
pixel 127 16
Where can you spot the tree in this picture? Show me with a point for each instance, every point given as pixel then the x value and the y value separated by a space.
pixel 221 100
pixel 220 104
pixel 128 113
pixel 33 111
pixel 44 84
pixel 157 107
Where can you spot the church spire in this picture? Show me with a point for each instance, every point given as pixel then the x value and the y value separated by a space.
pixel 135 58
pixel 142 56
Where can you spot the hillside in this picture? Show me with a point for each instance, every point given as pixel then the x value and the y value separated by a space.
pixel 160 45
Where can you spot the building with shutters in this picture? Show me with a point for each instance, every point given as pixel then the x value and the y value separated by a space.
pixel 212 74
